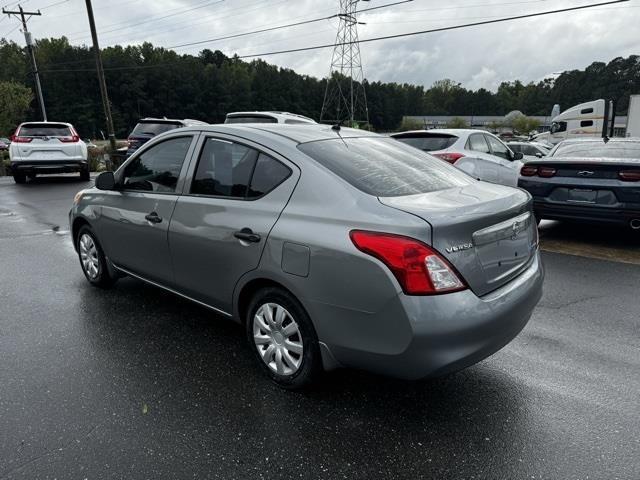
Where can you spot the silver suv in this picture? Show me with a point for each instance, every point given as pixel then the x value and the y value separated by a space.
pixel 333 247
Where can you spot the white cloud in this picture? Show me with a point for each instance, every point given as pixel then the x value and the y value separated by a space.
pixel 476 57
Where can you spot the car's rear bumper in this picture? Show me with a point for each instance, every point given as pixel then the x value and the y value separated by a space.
pixel 448 332
pixel 620 214
pixel 615 202
pixel 48 166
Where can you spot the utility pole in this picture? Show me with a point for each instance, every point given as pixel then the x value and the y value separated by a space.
pixel 101 79
pixel 24 16
pixel 345 99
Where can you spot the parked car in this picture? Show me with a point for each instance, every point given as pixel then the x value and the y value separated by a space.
pixel 481 154
pixel 47 147
pixel 147 128
pixel 4 144
pixel 332 248
pixel 587 179
pixel 268 117
pixel 530 150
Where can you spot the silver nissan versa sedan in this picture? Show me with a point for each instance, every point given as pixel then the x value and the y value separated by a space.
pixel 334 247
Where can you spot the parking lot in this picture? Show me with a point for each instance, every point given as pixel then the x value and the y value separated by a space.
pixel 134 382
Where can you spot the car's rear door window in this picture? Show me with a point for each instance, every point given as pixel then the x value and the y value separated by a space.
pixel 477 143
pixel 224 169
pixel 157 169
pixel 384 167
pixel 429 143
pixel 268 174
pixel 230 169
pixel 45 130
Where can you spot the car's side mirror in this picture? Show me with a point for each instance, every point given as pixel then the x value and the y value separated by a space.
pixel 518 156
pixel 106 181
pixel 539 155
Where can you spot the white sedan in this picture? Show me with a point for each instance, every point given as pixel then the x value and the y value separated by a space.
pixel 476 152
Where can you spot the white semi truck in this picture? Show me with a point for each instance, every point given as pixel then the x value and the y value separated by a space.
pixel 590 119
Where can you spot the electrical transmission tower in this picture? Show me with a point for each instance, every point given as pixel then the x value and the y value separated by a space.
pixel 345 100
pixel 24 16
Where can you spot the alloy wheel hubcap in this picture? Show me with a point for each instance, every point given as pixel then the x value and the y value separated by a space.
pixel 277 338
pixel 89 256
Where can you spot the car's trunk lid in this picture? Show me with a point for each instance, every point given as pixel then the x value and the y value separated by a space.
pixel 487 232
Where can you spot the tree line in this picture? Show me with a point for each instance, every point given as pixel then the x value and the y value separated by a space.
pixel 146 80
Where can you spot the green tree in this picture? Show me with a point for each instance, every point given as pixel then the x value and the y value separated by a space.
pixel 410 124
pixel 525 125
pixel 15 99
pixel 457 122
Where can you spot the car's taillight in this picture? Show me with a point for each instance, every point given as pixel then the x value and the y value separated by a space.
pixel 546 172
pixel 21 139
pixel 629 175
pixel 449 157
pixel 528 171
pixel 71 139
pixel 419 269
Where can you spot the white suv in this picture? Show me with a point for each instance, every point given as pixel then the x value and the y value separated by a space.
pixel 268 117
pixel 47 147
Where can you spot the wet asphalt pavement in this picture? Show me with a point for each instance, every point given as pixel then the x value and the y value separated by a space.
pixel 137 383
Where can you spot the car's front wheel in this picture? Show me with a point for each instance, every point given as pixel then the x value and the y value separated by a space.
pixel 92 259
pixel 85 174
pixel 19 177
pixel 283 339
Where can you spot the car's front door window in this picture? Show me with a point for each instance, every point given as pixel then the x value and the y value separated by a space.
pixel 498 148
pixel 158 168
pixel 477 143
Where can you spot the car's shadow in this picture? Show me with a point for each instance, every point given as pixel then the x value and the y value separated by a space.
pixel 56 180
pixel 197 373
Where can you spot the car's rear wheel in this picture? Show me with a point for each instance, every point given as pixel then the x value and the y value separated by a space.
pixel 19 177
pixel 85 174
pixel 92 259
pixel 283 339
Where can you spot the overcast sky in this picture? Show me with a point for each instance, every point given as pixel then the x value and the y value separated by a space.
pixel 483 56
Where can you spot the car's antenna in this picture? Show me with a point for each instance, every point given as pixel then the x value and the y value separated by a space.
pixel 336 128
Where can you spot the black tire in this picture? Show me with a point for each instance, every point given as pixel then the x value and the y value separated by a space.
pixel 102 277
pixel 19 178
pixel 311 361
pixel 85 174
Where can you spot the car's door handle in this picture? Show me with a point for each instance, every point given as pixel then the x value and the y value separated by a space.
pixel 153 217
pixel 247 235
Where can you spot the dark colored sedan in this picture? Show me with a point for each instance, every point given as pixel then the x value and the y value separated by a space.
pixel 589 180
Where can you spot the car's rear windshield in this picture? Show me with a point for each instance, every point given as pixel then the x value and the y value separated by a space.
pixel 611 149
pixel 250 119
pixel 430 143
pixel 154 128
pixel 384 167
pixel 44 130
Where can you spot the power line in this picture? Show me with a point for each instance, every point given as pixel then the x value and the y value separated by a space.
pixel 442 29
pixel 190 23
pixel 386 37
pixel 270 29
pixel 135 23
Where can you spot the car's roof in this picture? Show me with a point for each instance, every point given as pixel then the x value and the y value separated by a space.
pixel 186 121
pixel 601 140
pixel 274 114
pixel 440 131
pixel 44 123
pixel 300 133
